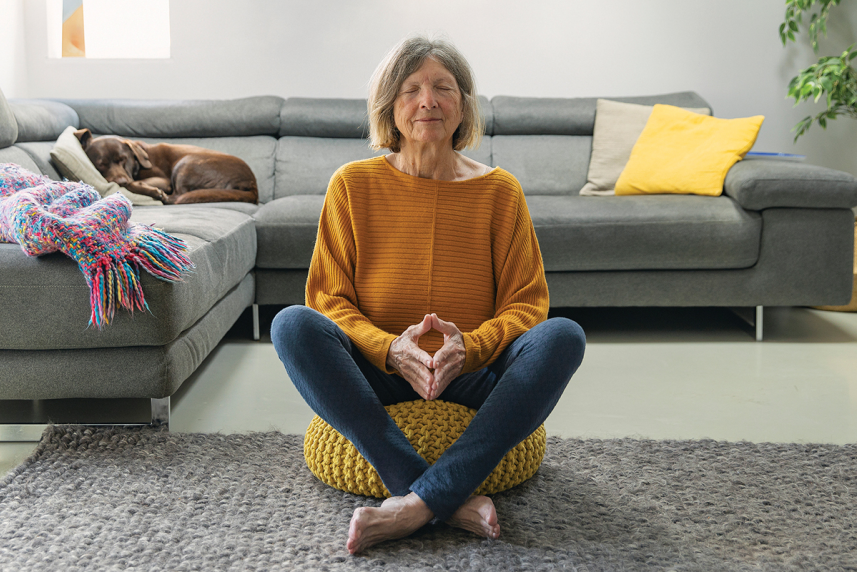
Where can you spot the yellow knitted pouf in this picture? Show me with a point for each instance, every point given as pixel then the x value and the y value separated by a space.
pixel 431 427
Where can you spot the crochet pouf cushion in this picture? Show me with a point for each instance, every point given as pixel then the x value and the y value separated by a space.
pixel 431 427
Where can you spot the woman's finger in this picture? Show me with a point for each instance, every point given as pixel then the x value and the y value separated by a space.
pixel 449 360
pixel 444 376
pixel 420 378
pixel 414 353
pixel 423 327
pixel 453 348
pixel 446 328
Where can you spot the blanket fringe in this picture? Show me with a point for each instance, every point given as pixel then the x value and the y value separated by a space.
pixel 159 253
pixel 116 283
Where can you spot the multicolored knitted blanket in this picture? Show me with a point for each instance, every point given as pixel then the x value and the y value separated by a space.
pixel 43 215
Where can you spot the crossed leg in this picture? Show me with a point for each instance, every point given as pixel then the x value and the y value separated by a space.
pixel 349 393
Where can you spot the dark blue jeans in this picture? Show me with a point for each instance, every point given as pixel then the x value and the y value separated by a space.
pixel 513 396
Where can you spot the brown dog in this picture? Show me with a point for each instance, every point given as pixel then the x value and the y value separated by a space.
pixel 173 174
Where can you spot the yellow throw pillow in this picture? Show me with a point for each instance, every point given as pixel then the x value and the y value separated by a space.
pixel 680 152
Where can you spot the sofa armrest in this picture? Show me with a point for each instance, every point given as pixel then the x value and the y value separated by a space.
pixel 759 184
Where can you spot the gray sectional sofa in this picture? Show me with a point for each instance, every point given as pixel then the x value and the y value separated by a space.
pixel 781 234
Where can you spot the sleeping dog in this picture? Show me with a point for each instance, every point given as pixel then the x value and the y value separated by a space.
pixel 172 174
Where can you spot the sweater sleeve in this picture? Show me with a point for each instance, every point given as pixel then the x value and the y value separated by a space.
pixel 330 284
pixel 522 295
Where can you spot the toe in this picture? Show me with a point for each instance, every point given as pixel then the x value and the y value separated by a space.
pixel 354 545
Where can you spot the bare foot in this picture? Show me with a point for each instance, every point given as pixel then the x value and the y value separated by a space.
pixel 477 515
pixel 397 517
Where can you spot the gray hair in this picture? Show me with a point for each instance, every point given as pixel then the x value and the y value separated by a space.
pixel 403 60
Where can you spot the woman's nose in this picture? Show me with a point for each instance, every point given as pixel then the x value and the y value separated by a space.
pixel 427 99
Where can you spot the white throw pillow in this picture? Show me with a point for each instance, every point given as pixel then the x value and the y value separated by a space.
pixel 73 163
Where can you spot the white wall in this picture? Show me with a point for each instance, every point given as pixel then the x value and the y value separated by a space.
pixel 728 51
pixel 13 70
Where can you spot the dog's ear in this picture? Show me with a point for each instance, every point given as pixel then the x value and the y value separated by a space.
pixel 84 136
pixel 139 152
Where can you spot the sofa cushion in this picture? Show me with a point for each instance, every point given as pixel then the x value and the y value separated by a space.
pixel 567 116
pixel 42 119
pixel 258 152
pixel 651 233
pixel 40 153
pixel 8 125
pixel 305 164
pixel 18 156
pixel 544 164
pixel 286 229
pixel 575 233
pixel 246 208
pixel 45 300
pixel 317 117
pixel 180 118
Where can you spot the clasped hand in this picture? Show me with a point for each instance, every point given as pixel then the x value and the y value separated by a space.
pixel 428 375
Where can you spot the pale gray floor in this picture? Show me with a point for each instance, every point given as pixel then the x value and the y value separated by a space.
pixel 660 373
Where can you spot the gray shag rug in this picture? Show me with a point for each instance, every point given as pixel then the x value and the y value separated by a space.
pixel 142 499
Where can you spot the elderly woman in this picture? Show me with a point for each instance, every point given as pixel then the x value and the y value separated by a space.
pixel 426 282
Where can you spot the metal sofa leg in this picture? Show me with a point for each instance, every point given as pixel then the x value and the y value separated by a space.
pixel 759 322
pixel 256 335
pixel 161 412
pixel 756 322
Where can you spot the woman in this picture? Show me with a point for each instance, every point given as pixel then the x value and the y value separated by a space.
pixel 426 282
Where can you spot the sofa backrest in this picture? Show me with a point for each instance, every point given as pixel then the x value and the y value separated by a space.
pixel 294 145
pixel 9 152
pixel 42 119
pixel 546 142
pixel 180 118
pixel 8 124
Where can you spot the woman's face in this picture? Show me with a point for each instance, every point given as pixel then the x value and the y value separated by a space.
pixel 428 107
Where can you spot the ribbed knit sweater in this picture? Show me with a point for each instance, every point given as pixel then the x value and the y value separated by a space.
pixel 392 248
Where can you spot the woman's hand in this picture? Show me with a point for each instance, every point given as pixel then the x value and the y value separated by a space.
pixel 449 359
pixel 412 363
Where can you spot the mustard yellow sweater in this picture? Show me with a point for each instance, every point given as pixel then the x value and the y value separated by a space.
pixel 392 248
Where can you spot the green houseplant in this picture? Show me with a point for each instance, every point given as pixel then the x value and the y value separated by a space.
pixel 832 77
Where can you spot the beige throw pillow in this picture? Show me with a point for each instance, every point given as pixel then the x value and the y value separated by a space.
pixel 72 162
pixel 617 127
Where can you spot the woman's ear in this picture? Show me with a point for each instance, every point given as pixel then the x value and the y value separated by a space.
pixel 139 152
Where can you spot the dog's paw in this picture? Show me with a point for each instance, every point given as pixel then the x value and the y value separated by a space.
pixel 147 190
